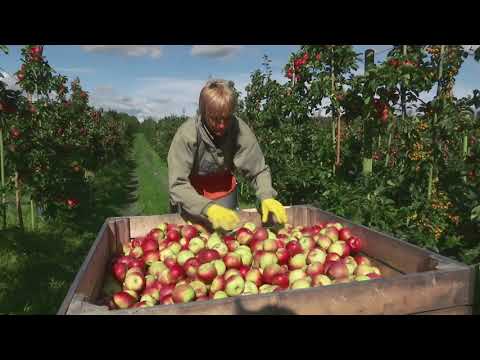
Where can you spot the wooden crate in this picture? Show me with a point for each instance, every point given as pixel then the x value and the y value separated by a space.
pixel 416 281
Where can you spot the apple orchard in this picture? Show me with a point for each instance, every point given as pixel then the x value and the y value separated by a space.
pixel 381 155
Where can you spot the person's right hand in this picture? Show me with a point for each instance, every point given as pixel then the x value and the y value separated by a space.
pixel 221 217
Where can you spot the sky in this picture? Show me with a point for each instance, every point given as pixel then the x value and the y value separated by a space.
pixel 160 80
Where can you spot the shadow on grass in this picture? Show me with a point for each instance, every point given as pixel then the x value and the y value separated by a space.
pixel 38 267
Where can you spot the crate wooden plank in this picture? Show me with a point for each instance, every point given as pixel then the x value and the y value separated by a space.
pixel 122 230
pixel 456 310
pixel 409 294
pixel 90 274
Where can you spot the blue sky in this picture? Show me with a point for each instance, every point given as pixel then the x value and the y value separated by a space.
pixel 158 80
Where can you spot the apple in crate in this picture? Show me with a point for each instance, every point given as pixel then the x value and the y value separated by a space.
pixel 314 269
pixel 119 271
pixel 295 275
pixel 220 295
pixel 298 261
pixel 316 255
pixel 207 255
pixel 338 270
pixel 183 256
pixel 123 300
pixel 234 285
pixel 250 289
pixel 191 267
pixel 207 272
pixel 323 241
pixel 345 234
pixel 281 280
pixel 245 255
pixel 183 294
pixel 301 284
pixel 196 244
pixel 156 268
pixel 219 266
pixel 189 232
pixel 321 280
pixel 232 261
pixel 232 272
pixel 355 244
pixel 255 276
pixel 283 256
pixel 218 284
pixel 244 236
pixel 134 281
pixel 269 273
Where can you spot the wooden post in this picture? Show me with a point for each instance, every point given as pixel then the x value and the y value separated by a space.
pixel 367 130
pixel 2 171
pixel 434 121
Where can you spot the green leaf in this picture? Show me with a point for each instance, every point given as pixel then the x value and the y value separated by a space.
pixel 475 216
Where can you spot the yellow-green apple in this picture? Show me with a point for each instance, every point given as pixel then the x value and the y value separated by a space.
pixel 215 238
pixel 184 243
pixel 207 255
pixel 269 272
pixel 166 253
pixel 123 300
pixel 362 260
pixel 220 295
pixel 283 256
pixel 153 292
pixel 307 244
pixel 232 261
pixel 351 264
pixel 142 304
pixel 323 241
pixel 267 259
pixel 184 256
pixel 336 225
pixel 183 294
pixel 232 272
pixel 148 299
pixel 156 268
pixel 363 269
pixel 295 275
pixel 314 268
pixel 134 281
pixel 294 248
pixel 250 226
pixel 316 255
pixel 166 278
pixel 267 288
pixel 196 244
pixel 218 284
pixel 321 280
pixel 207 272
pixel 134 269
pixel 234 285
pixel 255 276
pixel 250 288
pixel 244 236
pixel 301 284
pixel 162 226
pixel 175 247
pixel 281 280
pixel 219 266
pixel 246 256
pixel 221 248
pixel 137 252
pixel 132 293
pixel 270 245
pixel 332 233
pixel 376 270
pixel 298 261
pixel 361 278
pixel 127 248
pixel 340 248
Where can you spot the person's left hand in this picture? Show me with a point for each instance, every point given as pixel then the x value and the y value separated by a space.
pixel 273 206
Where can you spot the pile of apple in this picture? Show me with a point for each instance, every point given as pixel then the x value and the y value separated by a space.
pixel 184 263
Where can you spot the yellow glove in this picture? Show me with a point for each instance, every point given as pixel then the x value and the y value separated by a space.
pixel 221 217
pixel 272 205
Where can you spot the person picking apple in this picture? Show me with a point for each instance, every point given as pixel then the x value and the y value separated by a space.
pixel 205 151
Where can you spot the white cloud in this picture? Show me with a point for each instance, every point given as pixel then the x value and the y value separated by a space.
pixel 9 81
pixel 215 50
pixel 76 70
pixel 154 51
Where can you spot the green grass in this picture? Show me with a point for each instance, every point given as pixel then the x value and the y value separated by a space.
pixel 37 267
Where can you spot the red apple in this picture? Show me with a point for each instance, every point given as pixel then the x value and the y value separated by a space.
pixel 315 268
pixel 140 263
pixel 256 245
pixel 294 248
pixel 119 271
pixel 207 255
pixel 173 236
pixel 156 235
pixel 166 290
pixel 231 243
pixel 137 242
pixel 150 256
pixel 244 269
pixel 202 298
pixel 244 236
pixel 207 272
pixel 362 260
pixel 345 234
pixel 269 272
pixel 374 276
pixel 270 245
pixel 123 300
pixel 149 245
pixel 281 280
pixel 167 300
pixel 189 232
pixel 332 257
pixel 338 270
pixel 177 272
pixel 171 227
pixel 218 284
pixel 191 266
pixel 355 244
pixel 260 234
pixel 232 261
pixel 125 260
pixel 137 252
pixel 183 294
pixel 283 256
pixel 332 233
pixel 170 262
pixel 255 276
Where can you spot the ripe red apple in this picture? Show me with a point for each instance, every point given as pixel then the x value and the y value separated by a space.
pixel 218 284
pixel 202 298
pixel 123 300
pixel 231 243
pixel 191 266
pixel 294 248
pixel 150 281
pixel 232 261
pixel 281 280
pixel 345 234
pixel 151 256
pixel 166 290
pixel 281 242
pixel 153 292
pixel 157 235
pixel 244 236
pixel 355 244
pixel 189 232
pixel 374 276
pixel 137 252
pixel 134 281
pixel 338 270
pixel 270 245
pixel 362 260
pixel 269 272
pixel 149 245
pixel 260 234
pixel 140 263
pixel 119 271
pixel 137 242
pixel 255 276
pixel 207 255
pixel 256 245
pixel 244 269
pixel 173 236
pixel 207 272
pixel 167 300
pixel 283 256
pixel 315 269
pixel 170 262
pixel 177 272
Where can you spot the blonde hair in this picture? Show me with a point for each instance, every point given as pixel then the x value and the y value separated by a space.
pixel 217 100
